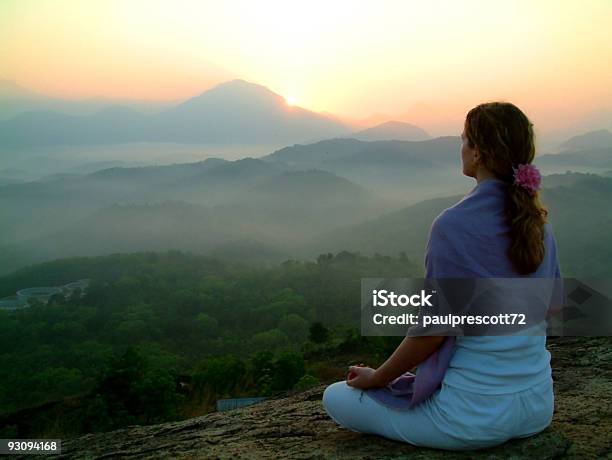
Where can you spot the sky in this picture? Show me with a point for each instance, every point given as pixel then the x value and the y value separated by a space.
pixel 413 60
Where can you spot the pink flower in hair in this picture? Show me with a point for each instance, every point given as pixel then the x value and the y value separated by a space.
pixel 528 177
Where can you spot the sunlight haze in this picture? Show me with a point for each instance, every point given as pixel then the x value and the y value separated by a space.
pixel 419 61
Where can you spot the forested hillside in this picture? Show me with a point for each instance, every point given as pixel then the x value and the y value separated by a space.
pixel 150 321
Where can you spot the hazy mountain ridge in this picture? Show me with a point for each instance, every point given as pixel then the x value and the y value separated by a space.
pixel 440 152
pixel 304 183
pixel 393 130
pixel 35 208
pixel 16 100
pixel 232 112
pixel 399 170
pixel 578 207
pixel 440 149
pixel 299 214
pixel 597 139
pixel 281 201
pixel 599 158
pixel 378 166
pixel 215 205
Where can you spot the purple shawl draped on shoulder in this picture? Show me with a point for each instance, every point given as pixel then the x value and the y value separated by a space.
pixel 409 389
pixel 465 241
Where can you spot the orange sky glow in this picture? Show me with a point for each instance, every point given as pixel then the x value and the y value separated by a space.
pixel 418 61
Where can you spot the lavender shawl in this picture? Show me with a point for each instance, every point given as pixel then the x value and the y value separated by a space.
pixel 465 241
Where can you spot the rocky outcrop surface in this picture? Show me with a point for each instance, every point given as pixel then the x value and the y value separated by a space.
pixel 298 427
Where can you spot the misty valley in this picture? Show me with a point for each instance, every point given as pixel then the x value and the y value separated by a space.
pixel 330 197
pixel 225 275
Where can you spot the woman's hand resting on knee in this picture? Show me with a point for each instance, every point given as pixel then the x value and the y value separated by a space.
pixel 410 353
pixel 362 378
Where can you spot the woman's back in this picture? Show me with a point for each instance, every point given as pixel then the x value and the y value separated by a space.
pixel 470 240
pixel 494 388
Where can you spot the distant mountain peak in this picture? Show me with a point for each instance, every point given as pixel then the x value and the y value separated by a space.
pixel 395 123
pixel 233 112
pixel 600 138
pixel 393 130
pixel 243 87
pixel 9 88
pixel 239 82
pixel 237 93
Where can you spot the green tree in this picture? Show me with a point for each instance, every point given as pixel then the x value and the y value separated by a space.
pixel 222 375
pixel 56 382
pixel 318 333
pixel 138 386
pixel 306 381
pixel 287 370
pixel 273 339
pixel 261 365
pixel 156 395
pixel 207 325
pixel 116 386
pixel 295 327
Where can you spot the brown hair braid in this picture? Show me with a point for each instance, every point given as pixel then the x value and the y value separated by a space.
pixel 503 135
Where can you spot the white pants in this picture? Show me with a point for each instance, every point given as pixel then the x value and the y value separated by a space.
pixel 451 418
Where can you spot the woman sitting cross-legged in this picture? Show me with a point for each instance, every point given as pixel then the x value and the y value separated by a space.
pixel 494 388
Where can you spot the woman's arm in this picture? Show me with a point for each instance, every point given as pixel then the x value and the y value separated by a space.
pixel 411 352
pixel 439 256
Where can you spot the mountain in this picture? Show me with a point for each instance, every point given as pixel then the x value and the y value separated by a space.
pixel 11 90
pixel 243 112
pixel 16 100
pixel 434 152
pixel 216 207
pixel 405 231
pixel 236 112
pixel 156 226
pixel 399 170
pixel 599 139
pixel 590 152
pixel 303 184
pixel 33 209
pixel 304 201
pixel 598 159
pixel 579 210
pixel 392 130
